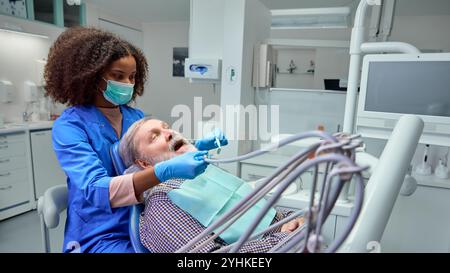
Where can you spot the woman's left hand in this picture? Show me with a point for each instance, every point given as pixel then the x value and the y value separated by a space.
pixel 293 225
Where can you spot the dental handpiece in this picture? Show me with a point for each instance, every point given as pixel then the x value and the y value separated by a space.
pixel 218 145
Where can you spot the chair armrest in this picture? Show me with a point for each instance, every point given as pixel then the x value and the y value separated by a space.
pixel 54 202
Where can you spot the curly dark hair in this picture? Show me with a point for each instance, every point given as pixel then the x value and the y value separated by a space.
pixel 79 57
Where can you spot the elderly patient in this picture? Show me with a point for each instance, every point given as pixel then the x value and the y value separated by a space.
pixel 164 226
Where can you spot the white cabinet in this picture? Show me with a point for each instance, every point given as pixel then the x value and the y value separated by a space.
pixel 252 172
pixel 46 169
pixel 28 166
pixel 15 189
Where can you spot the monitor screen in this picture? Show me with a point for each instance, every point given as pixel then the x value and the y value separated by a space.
pixel 409 87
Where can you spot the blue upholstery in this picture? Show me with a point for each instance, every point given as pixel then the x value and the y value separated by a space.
pixel 135 210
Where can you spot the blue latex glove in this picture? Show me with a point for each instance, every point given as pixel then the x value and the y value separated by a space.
pixel 185 166
pixel 209 142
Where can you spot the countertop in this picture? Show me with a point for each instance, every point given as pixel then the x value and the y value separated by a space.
pixel 25 126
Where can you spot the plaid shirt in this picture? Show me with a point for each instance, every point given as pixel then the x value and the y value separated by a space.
pixel 164 227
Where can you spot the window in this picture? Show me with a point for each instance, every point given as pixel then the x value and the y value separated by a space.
pixel 72 15
pixel 44 11
pixel 58 12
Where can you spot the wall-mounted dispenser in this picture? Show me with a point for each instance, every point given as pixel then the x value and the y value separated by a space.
pixel 30 92
pixel 263 66
pixel 203 69
pixel 39 67
pixel 6 91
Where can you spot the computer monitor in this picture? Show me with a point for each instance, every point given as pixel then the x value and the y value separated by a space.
pixel 396 84
pixel 333 84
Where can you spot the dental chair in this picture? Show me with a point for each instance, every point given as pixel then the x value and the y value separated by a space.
pixel 50 206
pixel 135 210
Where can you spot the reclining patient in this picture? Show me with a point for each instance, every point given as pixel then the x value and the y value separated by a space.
pixel 178 210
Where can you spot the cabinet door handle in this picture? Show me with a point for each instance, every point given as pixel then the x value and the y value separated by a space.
pixel 39 134
pixel 5 188
pixel 5 161
pixel 4 147
pixel 5 174
pixel 255 176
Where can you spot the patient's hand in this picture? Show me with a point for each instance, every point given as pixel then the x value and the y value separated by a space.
pixel 292 225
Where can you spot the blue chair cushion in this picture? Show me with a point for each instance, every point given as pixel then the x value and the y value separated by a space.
pixel 135 210
pixel 118 164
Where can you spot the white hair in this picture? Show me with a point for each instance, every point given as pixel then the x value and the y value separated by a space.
pixel 129 152
pixel 128 146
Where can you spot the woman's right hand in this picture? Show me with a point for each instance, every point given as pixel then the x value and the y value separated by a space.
pixel 185 166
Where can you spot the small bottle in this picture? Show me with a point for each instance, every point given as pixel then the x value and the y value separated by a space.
pixel 424 168
pixel 441 170
pixel 319 128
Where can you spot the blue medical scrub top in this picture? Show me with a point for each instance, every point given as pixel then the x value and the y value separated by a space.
pixel 82 137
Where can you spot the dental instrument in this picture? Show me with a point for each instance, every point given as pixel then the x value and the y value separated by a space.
pixel 218 145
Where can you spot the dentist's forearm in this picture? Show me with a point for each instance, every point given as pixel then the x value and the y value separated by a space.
pixel 144 180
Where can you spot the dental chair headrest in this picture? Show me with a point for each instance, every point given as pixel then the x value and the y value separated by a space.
pixel 117 161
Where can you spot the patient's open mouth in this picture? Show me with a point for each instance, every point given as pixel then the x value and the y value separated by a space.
pixel 178 144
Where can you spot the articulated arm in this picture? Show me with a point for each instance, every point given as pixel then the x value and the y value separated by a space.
pixel 384 185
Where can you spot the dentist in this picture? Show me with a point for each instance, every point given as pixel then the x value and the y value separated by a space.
pixel 97 75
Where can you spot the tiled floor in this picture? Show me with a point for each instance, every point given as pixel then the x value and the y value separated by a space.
pixel 22 234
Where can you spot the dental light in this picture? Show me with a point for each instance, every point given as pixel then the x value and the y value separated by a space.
pixel 311 18
pixel 74 2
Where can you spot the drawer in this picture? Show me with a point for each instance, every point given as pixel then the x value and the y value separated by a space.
pixel 14 137
pixel 13 176
pixel 251 172
pixel 13 162
pixel 12 148
pixel 307 180
pixel 14 193
pixel 341 224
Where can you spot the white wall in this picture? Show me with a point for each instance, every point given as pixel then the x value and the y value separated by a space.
pixel 17 60
pixel 299 78
pixel 96 13
pixel 228 30
pixel 419 223
pixel 246 24
pixel 163 91
pixel 329 63
pixel 424 32
pixel 206 38
pixel 308 109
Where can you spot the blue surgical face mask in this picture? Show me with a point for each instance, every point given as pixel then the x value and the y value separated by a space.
pixel 118 93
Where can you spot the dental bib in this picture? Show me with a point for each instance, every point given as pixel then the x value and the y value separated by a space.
pixel 210 195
